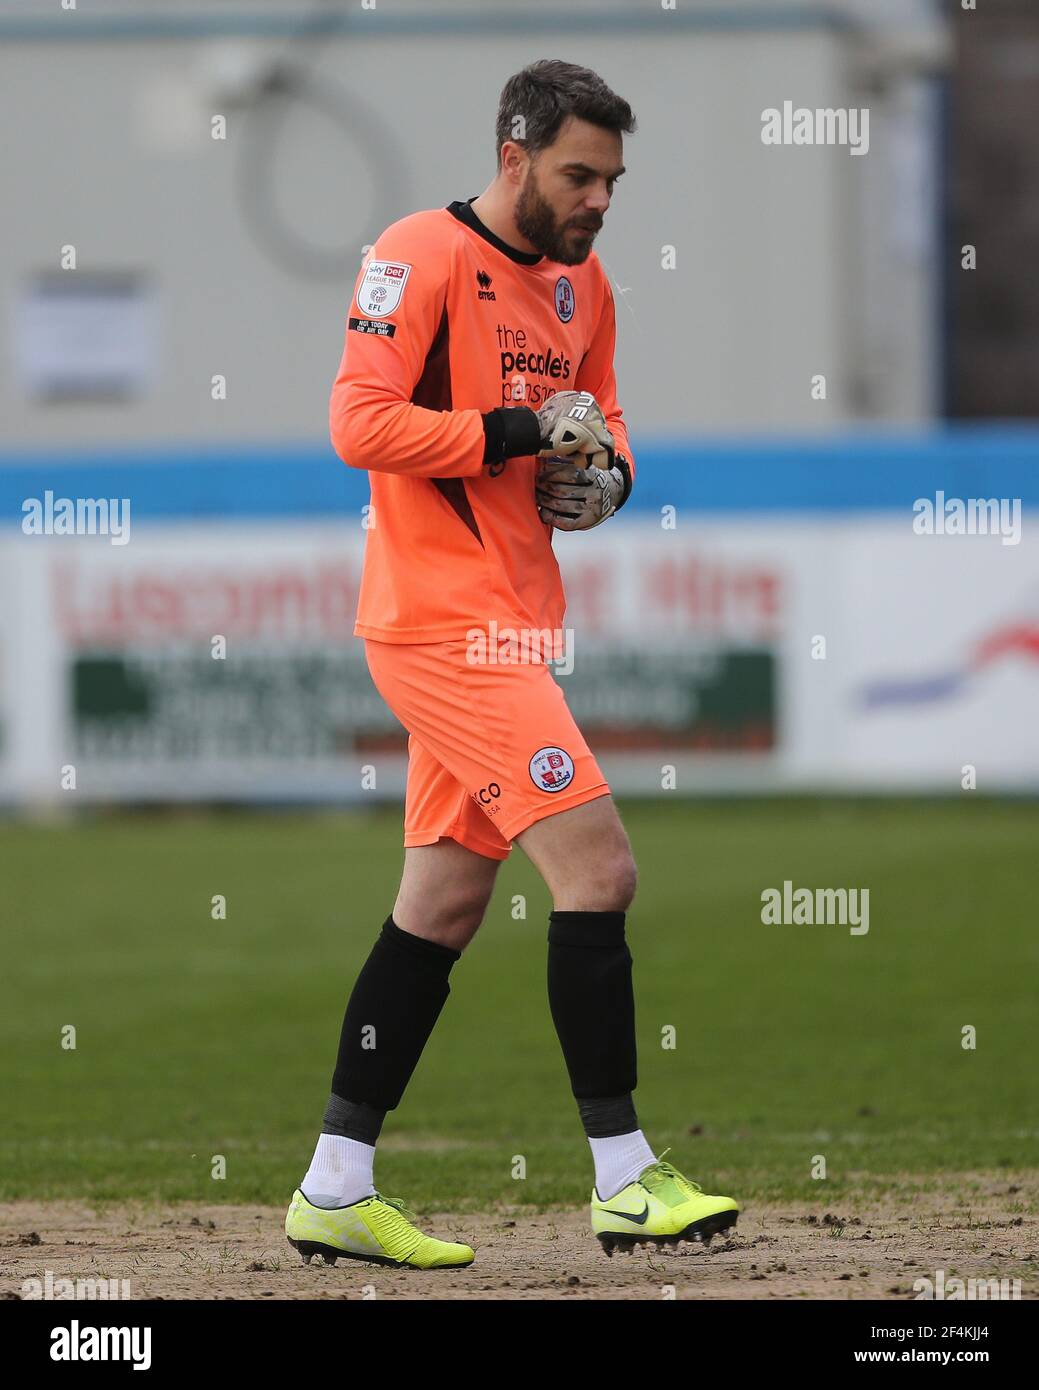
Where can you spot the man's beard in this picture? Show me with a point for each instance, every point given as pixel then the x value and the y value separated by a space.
pixel 536 221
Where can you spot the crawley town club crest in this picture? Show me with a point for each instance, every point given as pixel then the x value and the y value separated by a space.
pixel 564 299
pixel 551 769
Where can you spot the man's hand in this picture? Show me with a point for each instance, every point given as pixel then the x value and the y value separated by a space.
pixel 576 499
pixel 572 422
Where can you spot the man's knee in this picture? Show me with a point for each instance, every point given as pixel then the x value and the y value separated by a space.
pixel 451 917
pixel 603 883
pixel 584 856
pixel 463 907
pixel 610 884
pixel 444 893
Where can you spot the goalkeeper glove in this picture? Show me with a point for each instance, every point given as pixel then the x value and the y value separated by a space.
pixel 572 422
pixel 576 499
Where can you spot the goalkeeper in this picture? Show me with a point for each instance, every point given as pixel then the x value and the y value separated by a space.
pixel 477 388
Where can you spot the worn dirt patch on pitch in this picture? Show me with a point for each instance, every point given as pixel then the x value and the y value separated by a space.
pixel 982 1226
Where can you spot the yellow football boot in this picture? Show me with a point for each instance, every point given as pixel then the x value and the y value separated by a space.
pixel 661 1208
pixel 377 1230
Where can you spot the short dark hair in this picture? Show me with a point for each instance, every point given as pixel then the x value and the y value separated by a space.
pixel 545 93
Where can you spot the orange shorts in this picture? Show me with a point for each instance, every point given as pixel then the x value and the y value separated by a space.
pixel 492 748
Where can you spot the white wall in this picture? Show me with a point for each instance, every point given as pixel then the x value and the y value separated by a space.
pixel 788 259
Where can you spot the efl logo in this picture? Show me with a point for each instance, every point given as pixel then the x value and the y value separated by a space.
pixel 382 288
pixel 551 769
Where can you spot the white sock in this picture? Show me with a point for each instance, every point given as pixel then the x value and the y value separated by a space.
pixel 340 1172
pixel 619 1161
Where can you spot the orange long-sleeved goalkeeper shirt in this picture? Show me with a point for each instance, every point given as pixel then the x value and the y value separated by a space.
pixel 447 323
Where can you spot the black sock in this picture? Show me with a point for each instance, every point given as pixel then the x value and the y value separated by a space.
pixel 604 1119
pixel 352 1120
pixel 593 1008
pixel 396 1001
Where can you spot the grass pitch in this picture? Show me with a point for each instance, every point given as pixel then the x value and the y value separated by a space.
pixel 198 1038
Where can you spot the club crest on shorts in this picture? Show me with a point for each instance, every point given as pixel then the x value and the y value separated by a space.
pixel 564 299
pixel 382 287
pixel 551 769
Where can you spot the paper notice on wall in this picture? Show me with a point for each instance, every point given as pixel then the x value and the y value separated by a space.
pixel 86 336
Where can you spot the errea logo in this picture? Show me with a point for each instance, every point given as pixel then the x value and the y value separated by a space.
pixel 484 282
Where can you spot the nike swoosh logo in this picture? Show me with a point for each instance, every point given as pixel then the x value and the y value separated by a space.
pixel 639 1218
